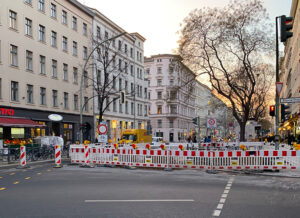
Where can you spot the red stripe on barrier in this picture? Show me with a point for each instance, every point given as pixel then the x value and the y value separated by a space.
pixel 294 153
pixel 221 168
pixel 185 153
pixel 151 165
pixel 275 153
pixel 177 166
pixel 193 167
pixel 159 152
pixel 274 167
pixel 77 161
pixel 185 166
pixel 144 165
pixel 82 150
pixel 247 167
pixel 23 163
pixel 239 167
pixel 247 154
pixel 112 151
pixel 22 155
pixel 193 153
pixel 201 153
pixel 284 168
pixel 229 153
pixel 204 145
pixel 284 153
pixel 77 150
pixel 266 167
pixel 176 153
pixel 137 164
pixel 57 154
pixel 94 150
pixel 118 151
pixel 137 152
pixel 293 168
pixel 221 154
pixel 107 150
pixel 58 161
pixel 144 152
pixel 238 153
pixel 201 167
pixel 124 151
pixel 151 152
pixel 266 153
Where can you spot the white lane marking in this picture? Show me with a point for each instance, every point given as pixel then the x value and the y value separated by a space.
pixel 222 200
pixel 150 200
pixel 220 206
pixel 217 213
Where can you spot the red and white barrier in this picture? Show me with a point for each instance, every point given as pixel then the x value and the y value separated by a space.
pixel 57 156
pixel 264 159
pixel 22 156
pixel 86 155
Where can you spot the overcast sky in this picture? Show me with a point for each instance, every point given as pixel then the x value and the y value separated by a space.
pixel 159 20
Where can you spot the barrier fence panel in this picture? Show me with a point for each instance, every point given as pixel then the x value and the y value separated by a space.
pixel 262 159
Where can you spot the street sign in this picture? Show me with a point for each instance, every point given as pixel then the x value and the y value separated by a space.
pixel 102 138
pixel 102 128
pixel 290 100
pixel 211 123
pixel 279 87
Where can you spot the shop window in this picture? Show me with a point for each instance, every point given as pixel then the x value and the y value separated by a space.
pixel 17 133
pixel 1 133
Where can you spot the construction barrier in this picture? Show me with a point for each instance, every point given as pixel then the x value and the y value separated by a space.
pixel 263 159
pixel 57 156
pixel 22 156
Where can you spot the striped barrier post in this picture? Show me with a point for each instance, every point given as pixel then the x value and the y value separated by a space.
pixel 22 157
pixel 86 155
pixel 57 156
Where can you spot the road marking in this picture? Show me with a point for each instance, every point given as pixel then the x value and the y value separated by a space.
pixel 16 182
pixel 12 174
pixel 217 213
pixel 48 170
pixel 3 188
pixel 150 200
pixel 27 178
pixel 220 206
pixel 39 173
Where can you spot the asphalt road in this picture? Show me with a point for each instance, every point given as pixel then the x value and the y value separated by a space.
pixel 44 191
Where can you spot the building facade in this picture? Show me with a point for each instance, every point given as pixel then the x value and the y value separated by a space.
pixel 172 97
pixel 43 44
pixel 290 72
pixel 124 74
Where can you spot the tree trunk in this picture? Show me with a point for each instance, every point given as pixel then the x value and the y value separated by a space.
pixel 242 131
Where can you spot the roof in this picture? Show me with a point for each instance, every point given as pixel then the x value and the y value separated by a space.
pixel 18 122
pixel 82 7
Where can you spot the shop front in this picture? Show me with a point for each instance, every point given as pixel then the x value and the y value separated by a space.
pixel 21 123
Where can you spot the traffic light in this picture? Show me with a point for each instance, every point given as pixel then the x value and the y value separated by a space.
pixel 122 97
pixel 196 120
pixel 285 27
pixel 272 110
pixel 284 112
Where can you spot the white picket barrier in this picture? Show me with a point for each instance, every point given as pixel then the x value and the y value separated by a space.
pixel 263 159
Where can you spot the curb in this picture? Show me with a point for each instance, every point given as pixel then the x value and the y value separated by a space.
pixel 259 174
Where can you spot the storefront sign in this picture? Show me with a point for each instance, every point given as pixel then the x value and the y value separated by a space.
pixel 55 117
pixel 8 112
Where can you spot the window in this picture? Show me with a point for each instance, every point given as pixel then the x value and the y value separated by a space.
pixel 28 2
pixel 159 109
pixel 64 43
pixel 146 110
pixel 120 84
pixel 131 52
pixel 119 45
pixel 75 102
pixel 171 82
pixel 74 48
pixel 106 35
pixel 30 94
pixel 14 55
pixel 131 70
pixel 107 104
pixel 0 88
pixel 126 107
pixel 173 95
pixel 125 49
pixel 74 23
pixel 12 19
pixel 54 68
pixel 66 100
pixel 120 65
pixel 126 67
pixel 53 10
pixel 173 109
pixel 145 93
pixel 75 75
pixel 159 95
pixel 132 108
pixel 159 70
pixel 28 27
pixel 42 64
pixel 98 32
pixel 43 96
pixel 14 91
pixel 28 60
pixel 171 123
pixel 159 123
pixel 85 78
pixel 114 82
pixel 64 17
pixel 53 39
pixel 84 52
pixel 120 108
pixel 114 106
pixel 65 69
pixel 41 5
pixel 54 98
pixel 84 29
pixel 41 33
pixel 159 82
pixel 86 104
pixel 126 86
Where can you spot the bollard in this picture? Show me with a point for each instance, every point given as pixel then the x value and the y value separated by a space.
pixel 87 158
pixel 22 157
pixel 57 156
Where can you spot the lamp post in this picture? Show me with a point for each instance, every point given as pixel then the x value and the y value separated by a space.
pixel 82 75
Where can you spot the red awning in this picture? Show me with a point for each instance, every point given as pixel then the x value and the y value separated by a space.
pixel 19 122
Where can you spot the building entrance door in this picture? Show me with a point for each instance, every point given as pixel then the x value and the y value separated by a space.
pixel 56 128
pixel 171 137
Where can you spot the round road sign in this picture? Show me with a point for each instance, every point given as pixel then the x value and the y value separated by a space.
pixel 211 122
pixel 102 128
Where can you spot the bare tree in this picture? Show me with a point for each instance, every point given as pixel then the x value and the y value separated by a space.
pixel 231 45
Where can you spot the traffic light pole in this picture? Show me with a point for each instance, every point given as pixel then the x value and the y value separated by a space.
pixel 277 94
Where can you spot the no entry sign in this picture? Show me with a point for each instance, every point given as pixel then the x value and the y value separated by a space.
pixel 102 128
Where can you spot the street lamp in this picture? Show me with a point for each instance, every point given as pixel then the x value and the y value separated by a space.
pixel 81 82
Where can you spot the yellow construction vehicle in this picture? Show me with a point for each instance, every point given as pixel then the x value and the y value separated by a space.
pixel 135 136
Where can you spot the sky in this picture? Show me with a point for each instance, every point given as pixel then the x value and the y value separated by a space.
pixel 159 20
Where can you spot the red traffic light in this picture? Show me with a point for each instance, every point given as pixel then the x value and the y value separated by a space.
pixel 272 110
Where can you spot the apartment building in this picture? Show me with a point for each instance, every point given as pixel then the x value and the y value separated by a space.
pixel 290 69
pixel 43 45
pixel 125 73
pixel 172 97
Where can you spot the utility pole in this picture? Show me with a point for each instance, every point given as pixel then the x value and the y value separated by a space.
pixel 277 96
